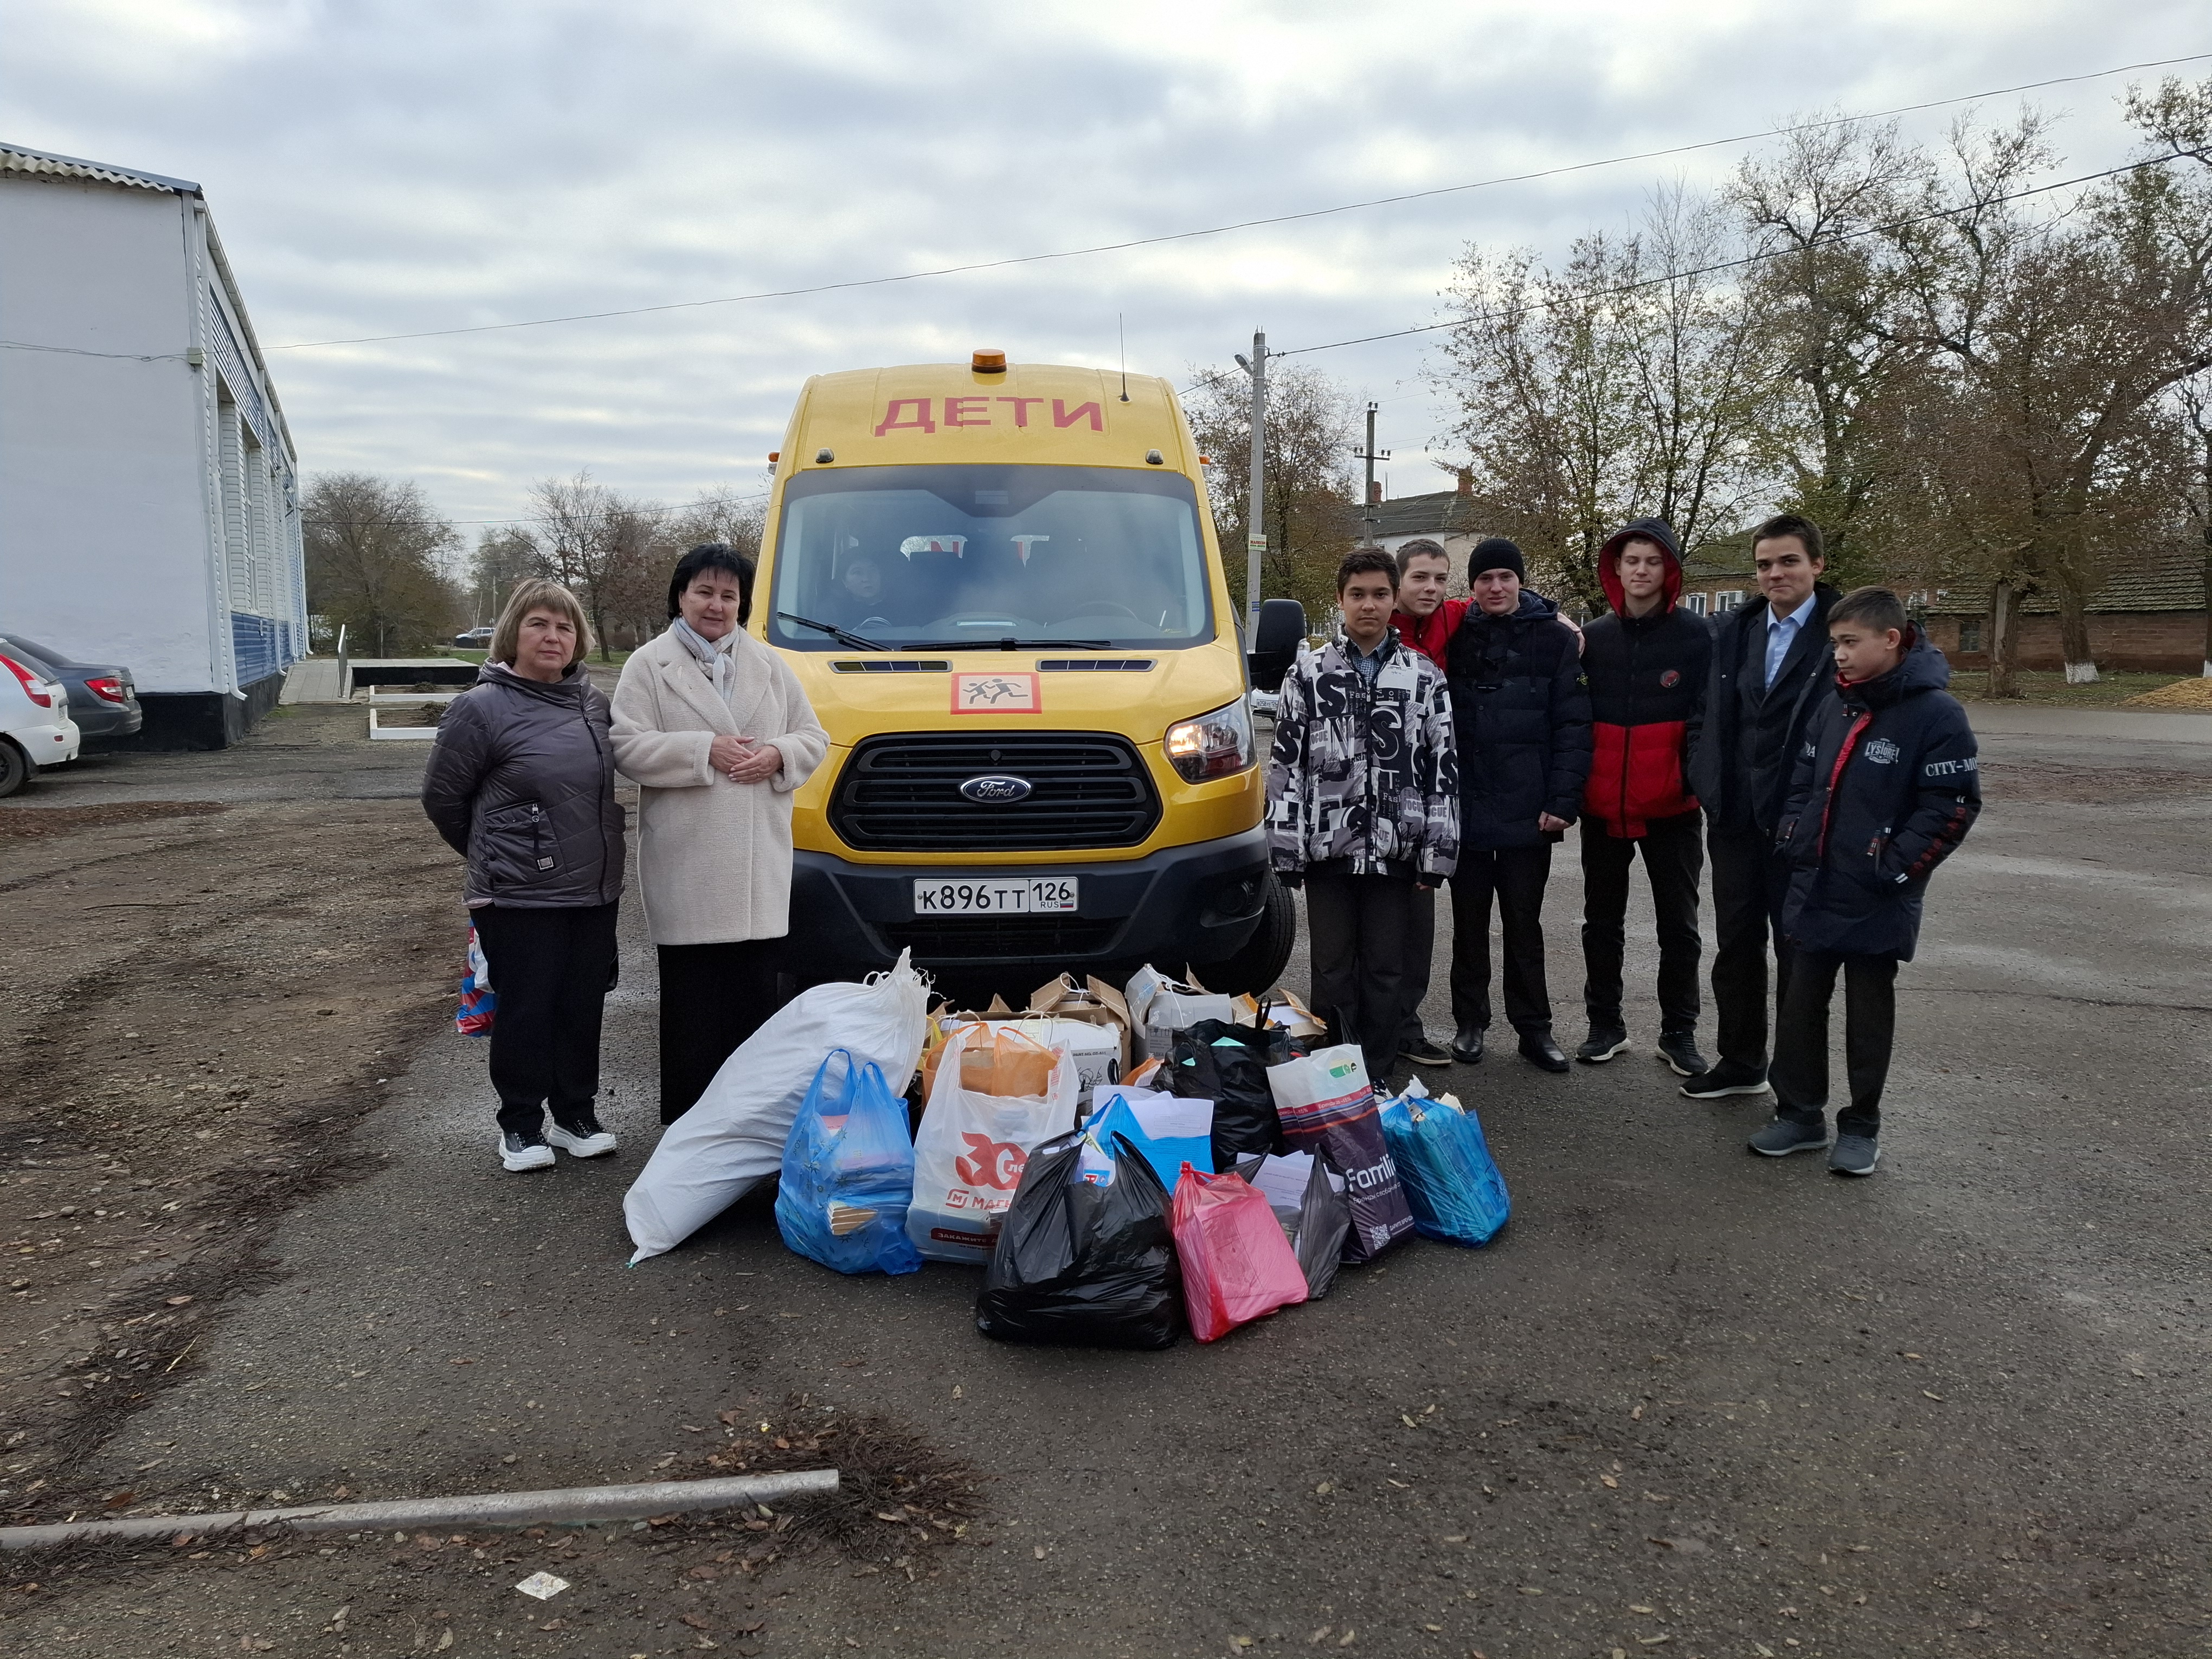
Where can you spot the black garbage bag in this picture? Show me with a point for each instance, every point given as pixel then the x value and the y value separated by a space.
pixel 1083 1262
pixel 1317 1225
pixel 1227 1064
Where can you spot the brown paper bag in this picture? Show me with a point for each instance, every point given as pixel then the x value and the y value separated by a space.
pixel 1010 1065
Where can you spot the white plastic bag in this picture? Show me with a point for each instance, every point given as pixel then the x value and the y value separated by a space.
pixel 970 1155
pixel 721 1148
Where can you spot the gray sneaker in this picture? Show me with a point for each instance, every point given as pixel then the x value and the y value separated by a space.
pixel 1855 1155
pixel 1786 1135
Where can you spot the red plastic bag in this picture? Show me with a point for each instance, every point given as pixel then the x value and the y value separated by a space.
pixel 1236 1264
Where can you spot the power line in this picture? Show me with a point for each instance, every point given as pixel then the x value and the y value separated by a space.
pixel 1244 224
pixel 1746 260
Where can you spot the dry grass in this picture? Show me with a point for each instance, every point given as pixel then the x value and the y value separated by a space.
pixel 2183 696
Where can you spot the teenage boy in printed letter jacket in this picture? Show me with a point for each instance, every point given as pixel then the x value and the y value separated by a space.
pixel 1363 806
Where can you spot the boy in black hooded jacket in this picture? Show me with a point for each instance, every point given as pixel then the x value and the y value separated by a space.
pixel 1885 786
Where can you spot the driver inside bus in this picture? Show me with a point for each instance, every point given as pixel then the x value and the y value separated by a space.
pixel 860 594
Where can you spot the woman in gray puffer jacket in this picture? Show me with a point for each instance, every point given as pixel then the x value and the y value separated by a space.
pixel 521 783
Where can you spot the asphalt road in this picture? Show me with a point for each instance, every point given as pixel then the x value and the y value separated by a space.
pixel 1689 1402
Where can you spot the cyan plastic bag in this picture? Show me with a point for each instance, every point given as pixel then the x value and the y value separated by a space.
pixel 1443 1163
pixel 1166 1153
pixel 848 1173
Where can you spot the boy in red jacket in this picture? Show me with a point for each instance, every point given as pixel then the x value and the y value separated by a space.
pixel 1646 665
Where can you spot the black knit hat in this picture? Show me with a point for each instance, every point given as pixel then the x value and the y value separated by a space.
pixel 1496 553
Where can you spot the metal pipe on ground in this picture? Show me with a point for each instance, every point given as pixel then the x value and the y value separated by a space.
pixel 563 1506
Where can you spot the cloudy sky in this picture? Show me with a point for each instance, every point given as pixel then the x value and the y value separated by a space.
pixel 388 166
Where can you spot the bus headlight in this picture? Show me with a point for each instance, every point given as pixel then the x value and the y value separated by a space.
pixel 1211 745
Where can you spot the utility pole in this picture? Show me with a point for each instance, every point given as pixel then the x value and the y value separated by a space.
pixel 1367 515
pixel 1255 524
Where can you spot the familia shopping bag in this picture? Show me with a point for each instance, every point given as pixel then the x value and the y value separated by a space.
pixel 1324 1102
pixel 716 1153
pixel 1236 1264
pixel 1452 1183
pixel 1085 1257
pixel 973 1141
pixel 848 1173
pixel 1307 1194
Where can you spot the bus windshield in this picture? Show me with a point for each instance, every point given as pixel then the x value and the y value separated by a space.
pixel 944 557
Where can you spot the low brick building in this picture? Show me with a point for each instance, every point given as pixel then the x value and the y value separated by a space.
pixel 2150 619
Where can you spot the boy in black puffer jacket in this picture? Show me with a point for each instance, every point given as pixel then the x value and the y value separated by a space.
pixel 1521 719
pixel 1885 786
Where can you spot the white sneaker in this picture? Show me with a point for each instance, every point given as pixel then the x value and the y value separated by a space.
pixel 585 1139
pixel 516 1152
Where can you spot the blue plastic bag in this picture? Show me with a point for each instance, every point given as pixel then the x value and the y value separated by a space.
pixel 848 1173
pixel 1167 1154
pixel 1451 1182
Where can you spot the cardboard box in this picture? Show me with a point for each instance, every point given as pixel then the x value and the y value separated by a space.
pixel 1160 1007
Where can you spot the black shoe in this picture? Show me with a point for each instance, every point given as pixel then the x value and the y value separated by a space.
pixel 1467 1047
pixel 1680 1050
pixel 1538 1049
pixel 1786 1135
pixel 1604 1042
pixel 1854 1155
pixel 1422 1052
pixel 1731 1076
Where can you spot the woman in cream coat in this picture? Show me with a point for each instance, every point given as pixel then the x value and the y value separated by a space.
pixel 713 727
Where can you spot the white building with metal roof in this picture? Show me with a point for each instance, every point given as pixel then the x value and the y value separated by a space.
pixel 149 485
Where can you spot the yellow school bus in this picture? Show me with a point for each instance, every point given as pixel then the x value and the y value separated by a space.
pixel 1001 587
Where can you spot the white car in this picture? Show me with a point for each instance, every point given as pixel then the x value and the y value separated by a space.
pixel 35 727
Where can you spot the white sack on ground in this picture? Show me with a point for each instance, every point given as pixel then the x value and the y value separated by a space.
pixel 721 1148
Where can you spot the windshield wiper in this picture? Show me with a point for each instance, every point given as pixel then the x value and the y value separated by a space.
pixel 1011 643
pixel 846 636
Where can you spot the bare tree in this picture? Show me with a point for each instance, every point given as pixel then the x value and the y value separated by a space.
pixel 594 542
pixel 1830 288
pixel 2063 336
pixel 1628 381
pixel 374 551
pixel 503 556
pixel 1310 517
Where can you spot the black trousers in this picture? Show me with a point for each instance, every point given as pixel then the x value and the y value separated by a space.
pixel 1420 954
pixel 1674 857
pixel 713 997
pixel 1356 944
pixel 1801 1041
pixel 1749 884
pixel 1516 876
pixel 550 970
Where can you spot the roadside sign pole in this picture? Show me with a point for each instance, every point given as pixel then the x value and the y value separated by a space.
pixel 1255 524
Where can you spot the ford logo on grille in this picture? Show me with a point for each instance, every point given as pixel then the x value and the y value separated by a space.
pixel 996 788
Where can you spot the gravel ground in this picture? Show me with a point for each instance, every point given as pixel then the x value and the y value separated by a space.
pixel 1689 1402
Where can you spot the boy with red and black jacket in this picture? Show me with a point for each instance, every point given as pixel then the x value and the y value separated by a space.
pixel 1647 664
pixel 1886 785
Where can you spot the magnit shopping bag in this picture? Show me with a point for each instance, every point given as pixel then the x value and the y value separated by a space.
pixel 1236 1264
pixel 1324 1102
pixel 1452 1182
pixel 848 1173
pixel 970 1154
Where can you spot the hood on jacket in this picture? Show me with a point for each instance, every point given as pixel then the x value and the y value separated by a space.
pixel 1609 563
pixel 564 688
pixel 1532 604
pixel 1923 669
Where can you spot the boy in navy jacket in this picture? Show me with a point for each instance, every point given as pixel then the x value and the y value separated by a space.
pixel 1886 785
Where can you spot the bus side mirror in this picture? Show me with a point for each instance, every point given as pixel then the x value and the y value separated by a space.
pixel 1275 642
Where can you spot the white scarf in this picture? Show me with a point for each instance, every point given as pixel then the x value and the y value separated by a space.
pixel 713 655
